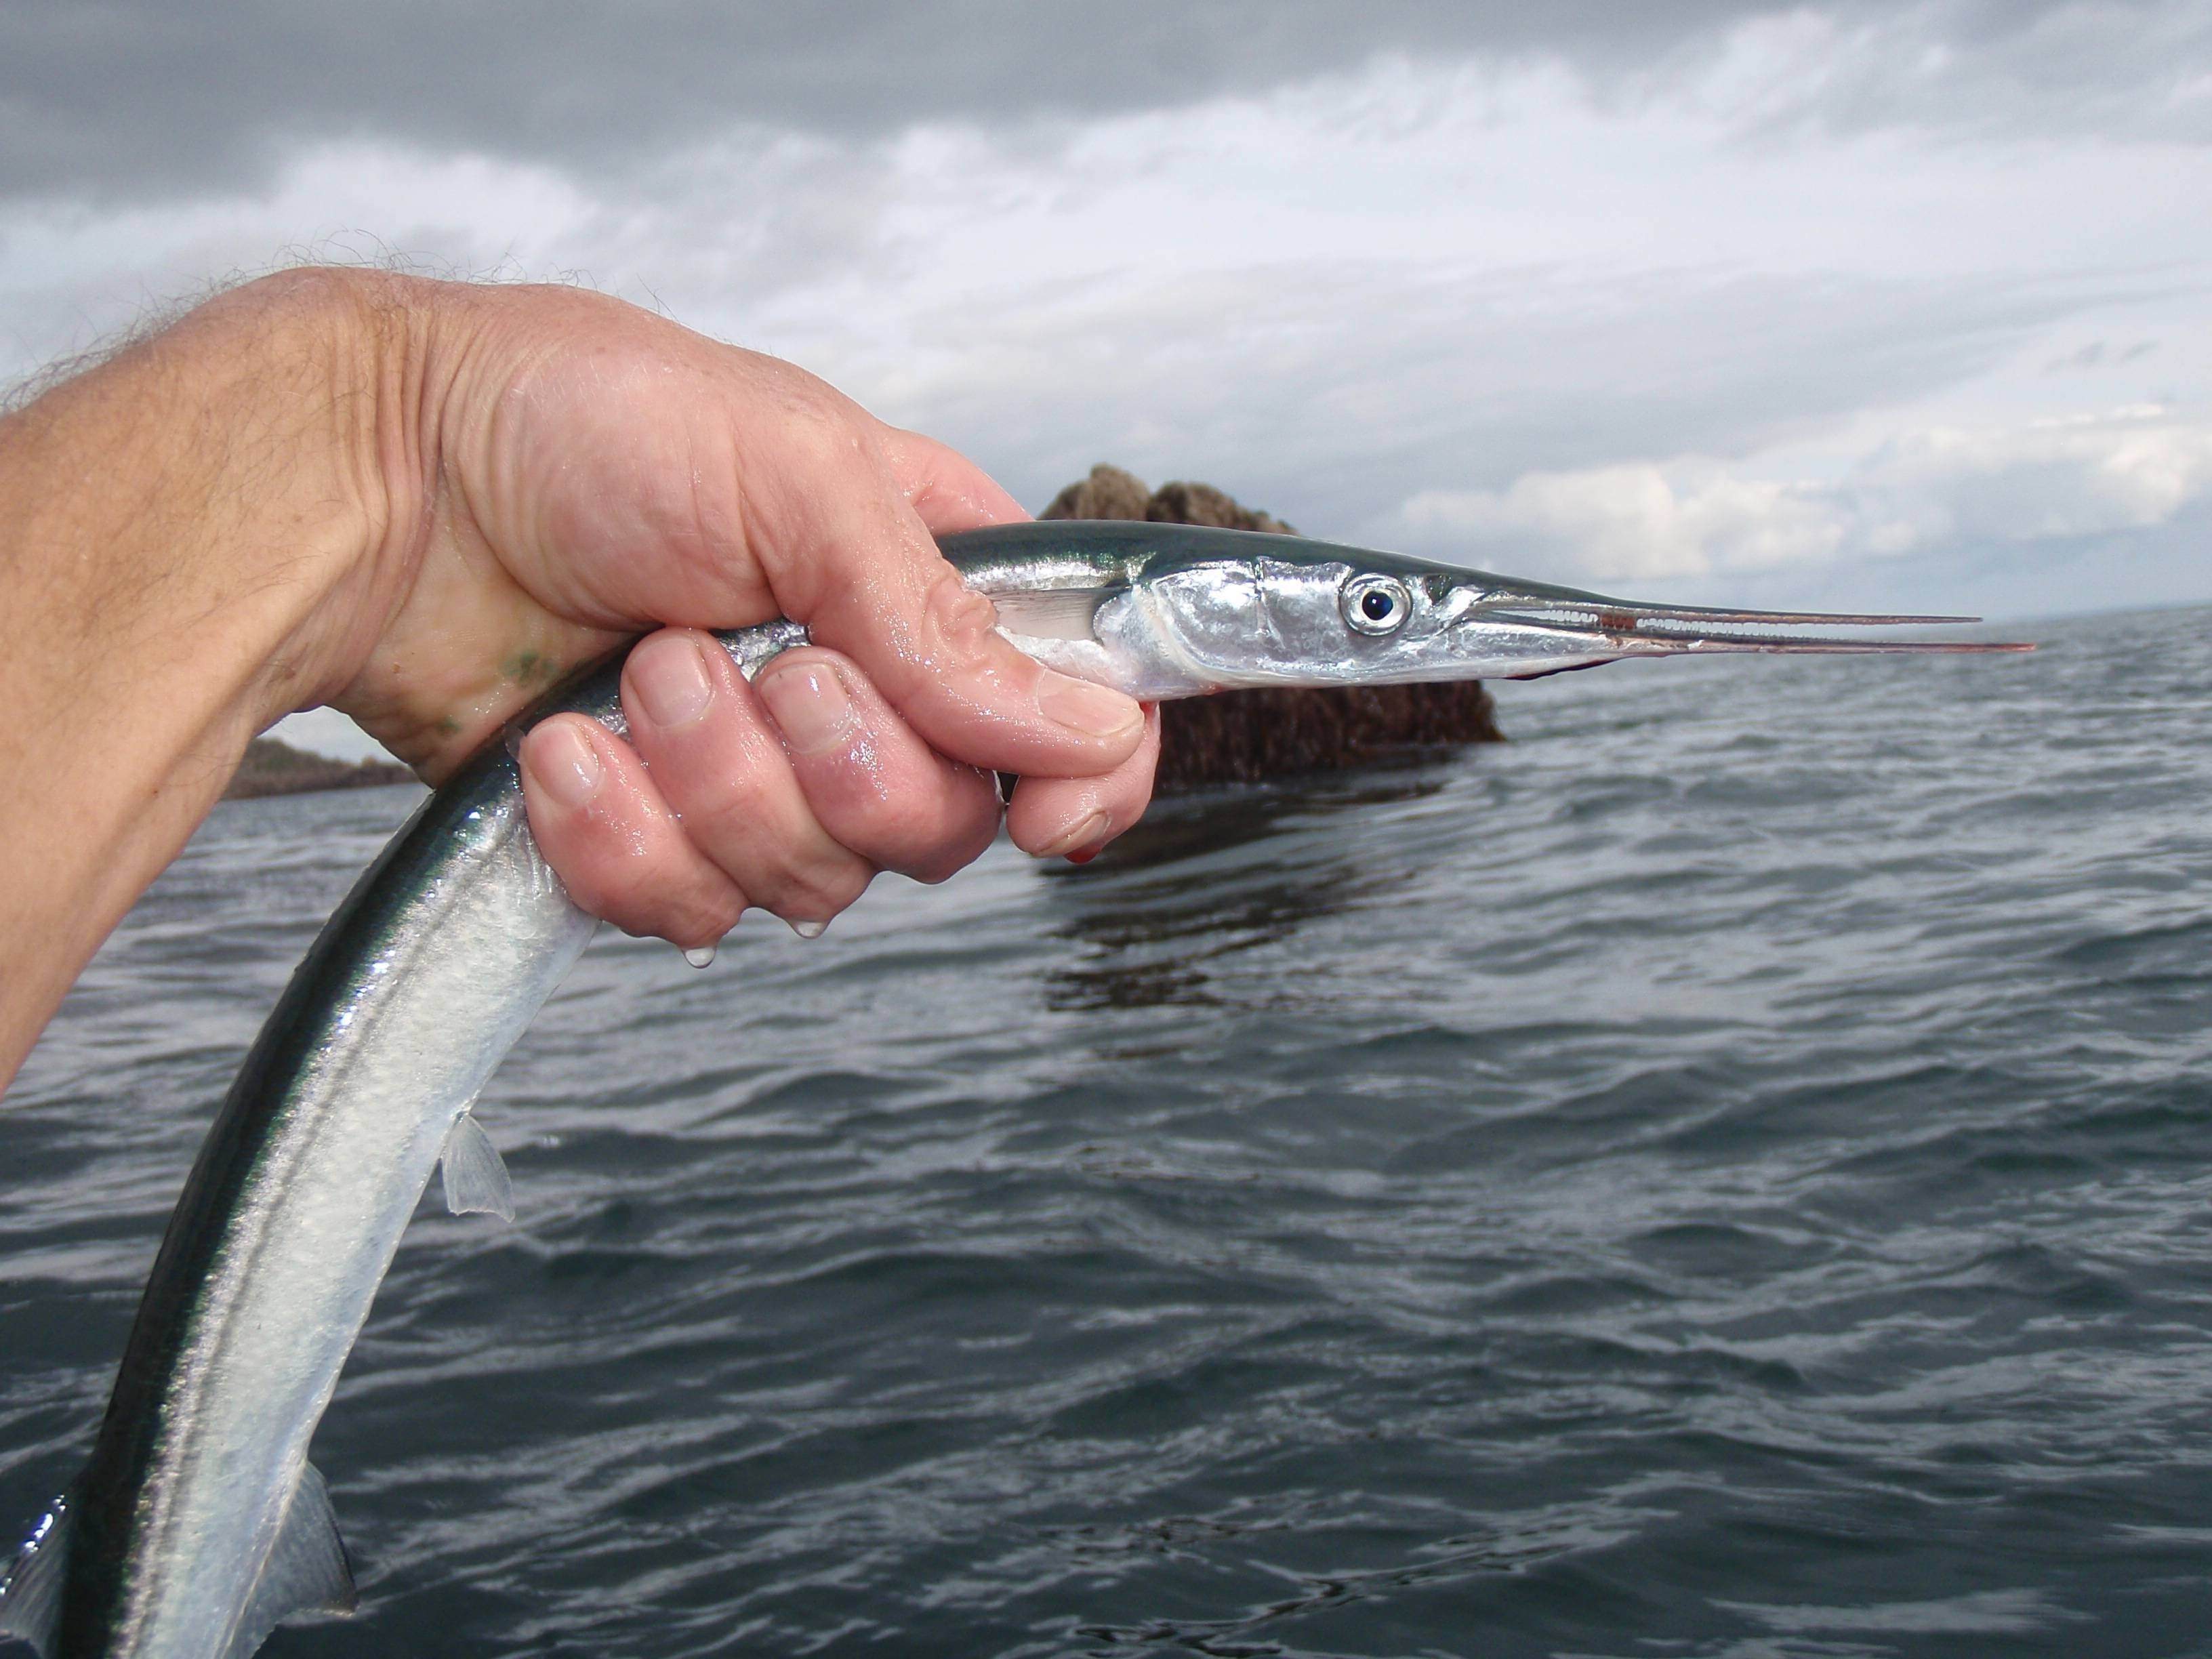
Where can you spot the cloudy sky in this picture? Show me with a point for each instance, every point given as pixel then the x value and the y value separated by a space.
pixel 1862 303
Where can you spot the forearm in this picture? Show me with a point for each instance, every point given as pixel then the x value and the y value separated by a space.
pixel 180 532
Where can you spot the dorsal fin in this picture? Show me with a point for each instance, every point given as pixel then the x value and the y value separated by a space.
pixel 307 1572
pixel 31 1589
pixel 476 1178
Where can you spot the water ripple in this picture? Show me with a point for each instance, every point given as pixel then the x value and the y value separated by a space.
pixel 1728 1174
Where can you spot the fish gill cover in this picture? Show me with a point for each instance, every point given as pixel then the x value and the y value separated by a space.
pixel 1241 736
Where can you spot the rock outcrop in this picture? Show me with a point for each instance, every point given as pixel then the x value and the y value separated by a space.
pixel 1111 493
pixel 1108 493
pixel 1241 736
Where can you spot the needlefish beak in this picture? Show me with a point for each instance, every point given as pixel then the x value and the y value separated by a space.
pixel 1540 629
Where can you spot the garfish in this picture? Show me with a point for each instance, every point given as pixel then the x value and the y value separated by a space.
pixel 198 1523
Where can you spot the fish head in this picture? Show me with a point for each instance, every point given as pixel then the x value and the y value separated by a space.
pixel 1297 613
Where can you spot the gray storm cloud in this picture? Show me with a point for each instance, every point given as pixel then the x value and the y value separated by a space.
pixel 140 98
pixel 1836 297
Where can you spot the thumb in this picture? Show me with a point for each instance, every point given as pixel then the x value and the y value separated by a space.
pixel 854 561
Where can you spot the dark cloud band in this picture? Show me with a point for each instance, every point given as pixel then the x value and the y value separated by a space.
pixel 146 98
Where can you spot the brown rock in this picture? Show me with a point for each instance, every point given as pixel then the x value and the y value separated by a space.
pixel 1201 503
pixel 1241 736
pixel 1108 493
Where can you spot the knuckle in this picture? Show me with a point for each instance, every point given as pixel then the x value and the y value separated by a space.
pixel 613 902
pixel 946 862
pixel 818 429
pixel 703 918
pixel 729 779
pixel 686 908
pixel 593 865
pixel 959 621
pixel 622 892
pixel 730 805
pixel 586 889
pixel 870 818
pixel 965 830
pixel 825 427
pixel 815 891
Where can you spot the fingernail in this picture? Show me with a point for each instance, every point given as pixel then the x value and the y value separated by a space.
pixel 1082 706
pixel 670 677
pixel 564 763
pixel 1092 828
pixel 809 703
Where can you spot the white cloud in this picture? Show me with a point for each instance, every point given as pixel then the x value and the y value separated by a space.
pixel 1637 519
pixel 1499 289
pixel 2084 476
pixel 1920 492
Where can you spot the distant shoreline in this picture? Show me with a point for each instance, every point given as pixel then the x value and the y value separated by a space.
pixel 272 767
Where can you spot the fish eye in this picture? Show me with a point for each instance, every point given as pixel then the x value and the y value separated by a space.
pixel 1376 604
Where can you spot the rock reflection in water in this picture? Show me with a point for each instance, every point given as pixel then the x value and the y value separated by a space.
pixel 1196 882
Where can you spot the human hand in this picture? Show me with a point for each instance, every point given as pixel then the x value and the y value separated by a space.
pixel 582 470
pixel 422 503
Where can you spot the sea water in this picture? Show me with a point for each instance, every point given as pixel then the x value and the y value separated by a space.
pixel 1728 1172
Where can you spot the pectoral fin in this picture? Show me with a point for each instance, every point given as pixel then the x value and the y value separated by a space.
pixel 307 1572
pixel 1053 613
pixel 31 1589
pixel 476 1179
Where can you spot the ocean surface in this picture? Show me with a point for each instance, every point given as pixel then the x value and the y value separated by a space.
pixel 1728 1172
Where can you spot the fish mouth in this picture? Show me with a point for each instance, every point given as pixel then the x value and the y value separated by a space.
pixel 1612 628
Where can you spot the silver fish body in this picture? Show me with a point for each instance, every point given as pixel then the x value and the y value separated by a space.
pixel 198 1525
